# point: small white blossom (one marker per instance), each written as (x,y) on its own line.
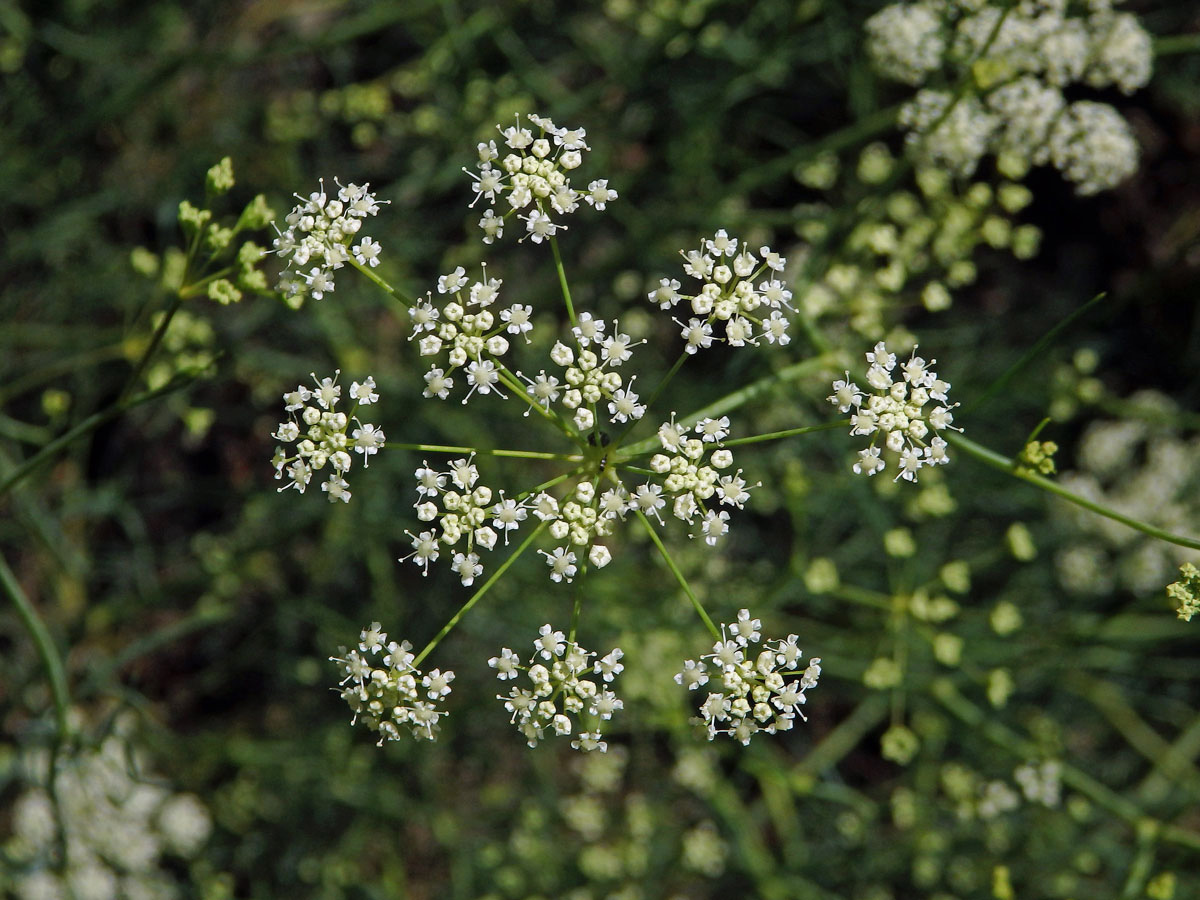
(387,695)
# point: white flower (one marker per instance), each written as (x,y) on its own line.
(368,681)
(467,567)
(599,556)
(896,413)
(711,429)
(750,693)
(539,226)
(599,194)
(519,319)
(561,693)
(561,563)
(506,664)
(697,334)
(588,329)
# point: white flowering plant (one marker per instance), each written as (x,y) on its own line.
(540,452)
(476,341)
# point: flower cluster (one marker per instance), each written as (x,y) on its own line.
(557,671)
(590,384)
(535,176)
(323,439)
(125,832)
(751,695)
(394,694)
(1145,467)
(690,480)
(727,271)
(462,519)
(1018,61)
(466,329)
(896,411)
(321,231)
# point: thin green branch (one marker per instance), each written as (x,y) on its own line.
(487,586)
(514,385)
(371,276)
(516,454)
(46,649)
(155,341)
(730,402)
(1031,354)
(562,280)
(778,435)
(687,588)
(91,423)
(1004,464)
(1172,44)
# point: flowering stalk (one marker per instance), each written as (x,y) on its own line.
(515,454)
(683,583)
(1013,468)
(369,273)
(475,598)
(562,280)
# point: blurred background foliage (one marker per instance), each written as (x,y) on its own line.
(195,607)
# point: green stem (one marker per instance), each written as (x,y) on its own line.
(196,288)
(60,366)
(1172,44)
(667,378)
(577,605)
(1031,354)
(517,454)
(513,383)
(155,340)
(687,589)
(1004,464)
(371,276)
(549,484)
(730,402)
(91,423)
(44,643)
(1143,862)
(487,586)
(777,435)
(562,280)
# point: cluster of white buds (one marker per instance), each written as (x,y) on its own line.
(534,176)
(727,270)
(590,387)
(558,671)
(750,695)
(578,520)
(318,430)
(462,519)
(1018,62)
(467,330)
(320,237)
(474,517)
(393,694)
(896,411)
(691,481)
